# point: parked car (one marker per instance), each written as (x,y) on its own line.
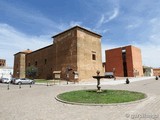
(109,75)
(23,81)
(5,80)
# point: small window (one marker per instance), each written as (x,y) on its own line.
(93,57)
(36,63)
(45,61)
(29,64)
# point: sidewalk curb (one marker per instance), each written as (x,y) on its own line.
(111,104)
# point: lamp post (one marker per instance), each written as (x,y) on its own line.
(98,82)
(114,70)
(134,72)
(8,86)
(67,73)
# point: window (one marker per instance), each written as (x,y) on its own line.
(93,57)
(45,61)
(36,63)
(29,64)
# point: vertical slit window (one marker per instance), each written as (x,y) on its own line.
(45,61)
(36,63)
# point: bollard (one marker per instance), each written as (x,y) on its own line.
(47,83)
(19,86)
(74,81)
(156,77)
(54,82)
(127,81)
(8,86)
(30,85)
(67,81)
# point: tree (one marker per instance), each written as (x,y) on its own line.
(31,72)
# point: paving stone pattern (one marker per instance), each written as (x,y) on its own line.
(38,103)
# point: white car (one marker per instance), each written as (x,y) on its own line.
(23,81)
(5,80)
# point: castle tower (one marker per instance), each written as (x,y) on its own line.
(20,64)
(78,49)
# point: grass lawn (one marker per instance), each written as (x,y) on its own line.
(105,97)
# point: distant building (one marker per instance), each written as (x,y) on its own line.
(124,61)
(156,71)
(147,71)
(74,54)
(5,72)
(2,62)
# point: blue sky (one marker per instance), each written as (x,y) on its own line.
(31,23)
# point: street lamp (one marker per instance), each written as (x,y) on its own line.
(114,70)
(68,69)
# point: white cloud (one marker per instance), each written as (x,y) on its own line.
(113,16)
(29,15)
(150,54)
(132,26)
(107,17)
(13,41)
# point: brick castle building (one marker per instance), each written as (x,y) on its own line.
(124,61)
(77,48)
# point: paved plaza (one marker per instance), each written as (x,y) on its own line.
(38,102)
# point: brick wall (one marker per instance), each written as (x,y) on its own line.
(43,60)
(133,61)
(89,58)
(19,65)
(114,60)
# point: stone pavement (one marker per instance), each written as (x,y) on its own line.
(38,103)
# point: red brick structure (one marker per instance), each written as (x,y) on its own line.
(2,62)
(77,48)
(124,61)
(156,71)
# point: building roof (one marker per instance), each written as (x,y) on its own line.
(5,67)
(41,49)
(147,67)
(123,47)
(3,59)
(27,51)
(24,52)
(156,68)
(78,27)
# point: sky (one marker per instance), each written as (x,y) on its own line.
(30,24)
